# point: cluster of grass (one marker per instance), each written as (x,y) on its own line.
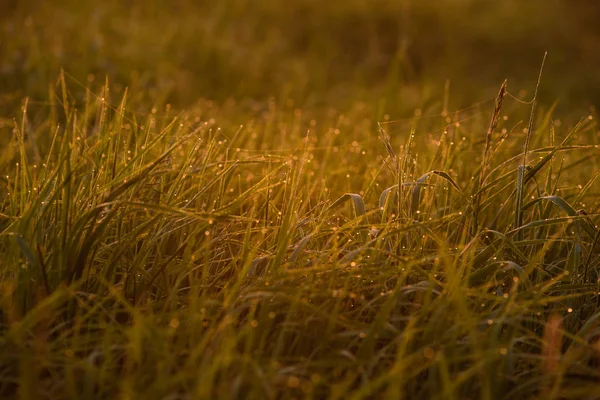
(299,245)
(176,255)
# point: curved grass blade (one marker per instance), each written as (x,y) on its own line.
(567,208)
(416,194)
(301,243)
(357,201)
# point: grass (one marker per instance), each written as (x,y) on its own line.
(270,241)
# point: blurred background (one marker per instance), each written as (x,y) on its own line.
(312,51)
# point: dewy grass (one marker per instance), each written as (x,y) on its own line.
(171,256)
(270,200)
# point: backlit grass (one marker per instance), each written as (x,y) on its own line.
(291,246)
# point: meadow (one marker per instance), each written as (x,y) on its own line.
(303,199)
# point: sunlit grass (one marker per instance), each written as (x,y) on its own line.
(302,216)
(171,255)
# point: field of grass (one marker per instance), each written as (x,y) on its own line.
(303,199)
